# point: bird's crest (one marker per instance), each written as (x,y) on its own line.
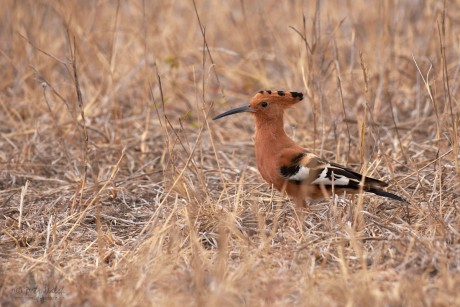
(280,94)
(283,99)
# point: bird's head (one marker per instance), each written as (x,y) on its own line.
(267,105)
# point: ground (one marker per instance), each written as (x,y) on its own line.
(117,188)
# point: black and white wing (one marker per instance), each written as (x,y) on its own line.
(306,168)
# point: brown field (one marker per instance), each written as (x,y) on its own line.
(116,188)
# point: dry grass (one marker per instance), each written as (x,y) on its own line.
(115,188)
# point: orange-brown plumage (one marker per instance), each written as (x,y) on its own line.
(289,167)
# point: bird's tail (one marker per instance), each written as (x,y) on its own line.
(386,194)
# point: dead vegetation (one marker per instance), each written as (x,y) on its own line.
(115,188)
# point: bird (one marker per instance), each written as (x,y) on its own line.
(292,169)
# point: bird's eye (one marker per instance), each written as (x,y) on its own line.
(264,104)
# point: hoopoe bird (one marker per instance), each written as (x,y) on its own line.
(290,168)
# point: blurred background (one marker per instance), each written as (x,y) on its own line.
(109,163)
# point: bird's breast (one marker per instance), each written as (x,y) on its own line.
(266,164)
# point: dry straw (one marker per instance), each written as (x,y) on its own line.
(116,189)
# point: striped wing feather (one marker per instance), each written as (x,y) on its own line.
(306,168)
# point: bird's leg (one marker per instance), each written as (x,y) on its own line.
(300,206)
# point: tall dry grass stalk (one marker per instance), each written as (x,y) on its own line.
(115,188)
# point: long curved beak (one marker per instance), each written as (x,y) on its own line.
(234,111)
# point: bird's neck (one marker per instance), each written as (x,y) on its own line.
(270,142)
(270,136)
